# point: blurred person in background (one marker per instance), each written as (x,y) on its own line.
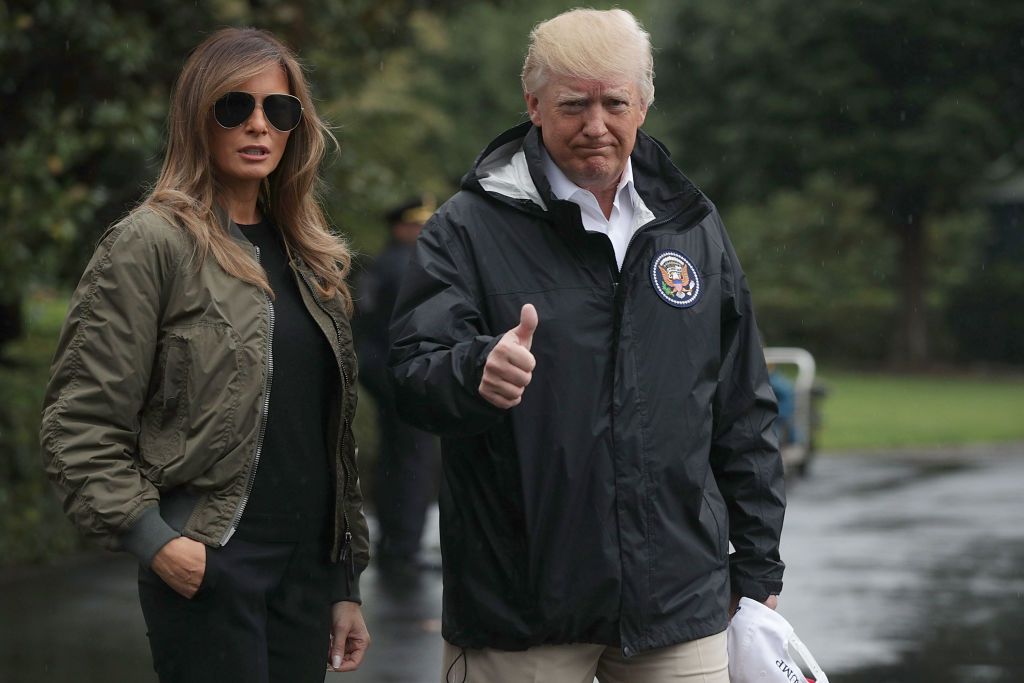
(785,394)
(576,325)
(201,400)
(405,474)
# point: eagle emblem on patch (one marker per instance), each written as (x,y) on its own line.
(675,279)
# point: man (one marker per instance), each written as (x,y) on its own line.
(575,324)
(405,480)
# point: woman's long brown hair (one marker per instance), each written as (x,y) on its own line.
(186,191)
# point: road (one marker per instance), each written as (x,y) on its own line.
(901,569)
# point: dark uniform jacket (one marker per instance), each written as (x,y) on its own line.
(377,290)
(602,507)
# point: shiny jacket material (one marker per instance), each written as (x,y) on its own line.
(152,417)
(601,508)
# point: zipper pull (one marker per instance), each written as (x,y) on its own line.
(348,557)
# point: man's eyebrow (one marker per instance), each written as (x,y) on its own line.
(570,96)
(616,93)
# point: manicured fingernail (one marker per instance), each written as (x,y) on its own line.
(336,661)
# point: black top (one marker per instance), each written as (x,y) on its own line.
(291,495)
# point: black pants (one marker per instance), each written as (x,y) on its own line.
(261,615)
(405,483)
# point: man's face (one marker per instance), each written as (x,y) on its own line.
(588,126)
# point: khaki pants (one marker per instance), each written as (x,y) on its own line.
(699,661)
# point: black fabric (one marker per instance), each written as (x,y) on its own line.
(262,615)
(292,491)
(375,300)
(408,459)
(601,508)
(404,486)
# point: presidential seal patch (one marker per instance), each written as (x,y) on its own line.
(675,279)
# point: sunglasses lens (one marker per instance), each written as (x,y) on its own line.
(283,111)
(234,108)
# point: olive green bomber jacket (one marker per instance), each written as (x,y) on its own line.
(153,415)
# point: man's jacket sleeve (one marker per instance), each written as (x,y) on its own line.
(439,339)
(745,453)
(97,388)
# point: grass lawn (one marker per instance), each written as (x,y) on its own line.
(875,411)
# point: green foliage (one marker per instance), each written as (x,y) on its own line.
(482,68)
(820,268)
(906,101)
(912,101)
(80,126)
(429,106)
(389,135)
(84,93)
(983,310)
(824,273)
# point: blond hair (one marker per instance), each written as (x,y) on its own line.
(590,44)
(186,190)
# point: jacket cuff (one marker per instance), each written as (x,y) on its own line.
(475,371)
(755,589)
(343,589)
(148,535)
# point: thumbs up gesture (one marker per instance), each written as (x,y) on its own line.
(509,366)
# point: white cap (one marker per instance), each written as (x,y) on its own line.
(759,648)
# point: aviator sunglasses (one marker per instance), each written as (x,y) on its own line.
(282,111)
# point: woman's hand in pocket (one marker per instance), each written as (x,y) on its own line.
(181,564)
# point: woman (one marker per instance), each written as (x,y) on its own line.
(201,401)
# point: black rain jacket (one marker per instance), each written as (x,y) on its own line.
(601,508)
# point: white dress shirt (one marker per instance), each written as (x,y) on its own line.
(628,210)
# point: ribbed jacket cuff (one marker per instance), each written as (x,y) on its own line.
(149,533)
(343,589)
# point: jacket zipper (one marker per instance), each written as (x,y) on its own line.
(268,378)
(346,549)
(659,221)
(618,301)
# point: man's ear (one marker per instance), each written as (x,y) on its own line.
(533,108)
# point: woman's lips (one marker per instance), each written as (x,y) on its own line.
(255,152)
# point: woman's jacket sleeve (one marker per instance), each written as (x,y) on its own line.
(440,339)
(98,386)
(745,453)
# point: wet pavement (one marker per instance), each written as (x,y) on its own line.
(905,569)
(910,570)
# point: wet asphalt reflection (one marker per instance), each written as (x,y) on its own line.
(910,570)
(905,569)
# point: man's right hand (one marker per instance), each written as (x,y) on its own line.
(509,366)
(181,564)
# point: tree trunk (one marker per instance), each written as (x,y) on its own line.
(911,349)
